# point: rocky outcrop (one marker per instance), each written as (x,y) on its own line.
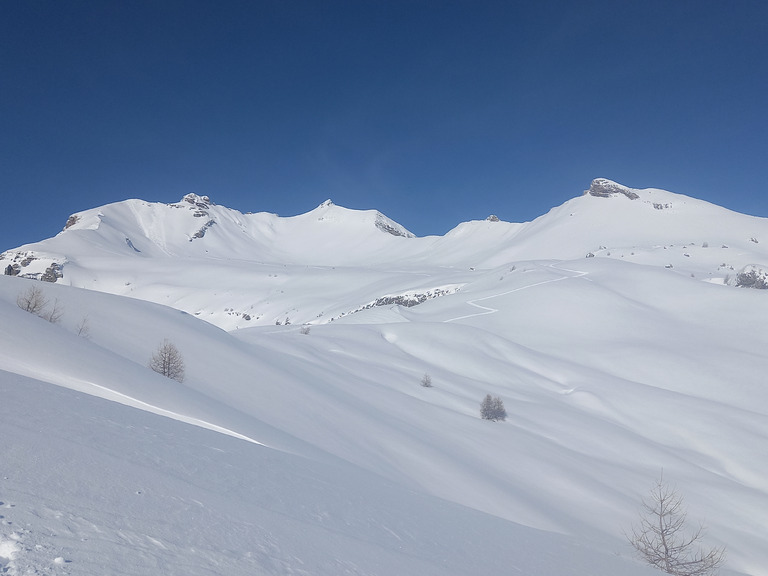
(406,300)
(71,221)
(752,276)
(52,273)
(604,188)
(130,245)
(200,233)
(199,206)
(386,225)
(29,264)
(202,202)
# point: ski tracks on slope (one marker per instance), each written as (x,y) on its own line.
(489,310)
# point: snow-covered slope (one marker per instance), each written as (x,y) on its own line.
(94,488)
(611,367)
(239,270)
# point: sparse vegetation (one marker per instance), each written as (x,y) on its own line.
(34,301)
(83,328)
(167,361)
(492,408)
(53,314)
(660,539)
(426,381)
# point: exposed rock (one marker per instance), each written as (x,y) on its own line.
(71,221)
(386,225)
(29,264)
(130,245)
(200,233)
(202,202)
(605,188)
(52,273)
(752,276)
(492,218)
(407,300)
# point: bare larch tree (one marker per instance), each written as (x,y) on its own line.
(660,539)
(167,361)
(32,301)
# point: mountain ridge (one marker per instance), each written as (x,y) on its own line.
(646,226)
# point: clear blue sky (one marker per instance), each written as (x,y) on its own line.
(431,112)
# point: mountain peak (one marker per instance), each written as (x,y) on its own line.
(604,188)
(199,201)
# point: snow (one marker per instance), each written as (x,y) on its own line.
(294,452)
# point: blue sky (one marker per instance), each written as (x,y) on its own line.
(431,112)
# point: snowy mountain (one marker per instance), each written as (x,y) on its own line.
(302,441)
(239,270)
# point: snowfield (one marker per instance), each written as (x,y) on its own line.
(302,441)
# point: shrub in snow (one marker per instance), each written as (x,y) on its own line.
(426,381)
(660,539)
(167,361)
(54,314)
(492,408)
(32,301)
(35,302)
(83,328)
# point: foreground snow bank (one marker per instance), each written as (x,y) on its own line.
(92,487)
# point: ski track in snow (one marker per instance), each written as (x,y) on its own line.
(487,310)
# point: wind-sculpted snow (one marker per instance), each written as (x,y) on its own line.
(611,368)
(94,488)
